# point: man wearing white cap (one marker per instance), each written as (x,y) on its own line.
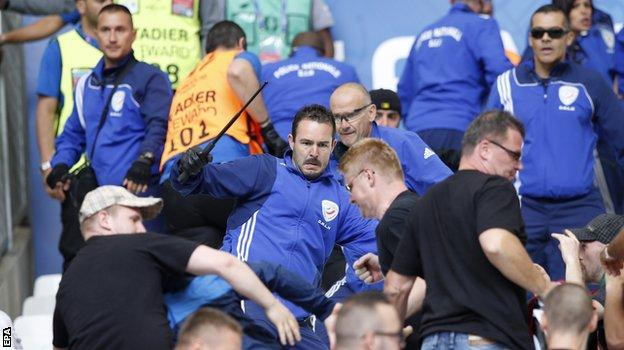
(111,296)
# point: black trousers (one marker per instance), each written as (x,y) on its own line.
(71,239)
(200,218)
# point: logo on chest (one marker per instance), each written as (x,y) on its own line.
(568,95)
(117,103)
(330,212)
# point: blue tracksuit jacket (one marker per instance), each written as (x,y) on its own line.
(421,166)
(281,217)
(559,115)
(450,69)
(136,121)
(303,79)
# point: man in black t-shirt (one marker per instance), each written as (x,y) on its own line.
(464,238)
(111,296)
(374,177)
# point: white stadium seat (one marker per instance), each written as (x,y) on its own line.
(35,331)
(39,305)
(47,285)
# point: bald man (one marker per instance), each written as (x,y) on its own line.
(355,119)
(305,78)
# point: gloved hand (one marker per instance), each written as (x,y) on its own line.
(138,176)
(273,141)
(192,163)
(58,174)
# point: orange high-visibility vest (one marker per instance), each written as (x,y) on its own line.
(203,104)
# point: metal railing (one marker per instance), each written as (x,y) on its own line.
(13,136)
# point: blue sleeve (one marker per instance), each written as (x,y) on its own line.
(608,115)
(494,100)
(253,60)
(421,166)
(619,61)
(356,234)
(155,111)
(241,178)
(49,79)
(293,288)
(71,142)
(72,17)
(490,51)
(406,87)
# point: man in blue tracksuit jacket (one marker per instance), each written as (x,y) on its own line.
(355,114)
(126,151)
(214,291)
(305,78)
(289,211)
(448,74)
(560,104)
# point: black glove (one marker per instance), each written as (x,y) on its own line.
(192,163)
(273,141)
(140,171)
(58,174)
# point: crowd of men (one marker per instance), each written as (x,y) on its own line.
(290,207)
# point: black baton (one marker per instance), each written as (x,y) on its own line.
(184,176)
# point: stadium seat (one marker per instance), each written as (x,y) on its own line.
(35,331)
(46,285)
(39,305)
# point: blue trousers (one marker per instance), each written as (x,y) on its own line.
(458,341)
(544,216)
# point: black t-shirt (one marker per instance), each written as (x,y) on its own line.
(111,296)
(465,292)
(391,227)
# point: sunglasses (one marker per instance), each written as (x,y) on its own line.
(553,33)
(513,154)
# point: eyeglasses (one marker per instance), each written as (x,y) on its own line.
(398,335)
(513,154)
(553,33)
(349,186)
(352,116)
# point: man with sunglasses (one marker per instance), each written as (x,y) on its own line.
(565,108)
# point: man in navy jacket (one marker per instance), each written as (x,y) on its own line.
(448,74)
(559,102)
(289,211)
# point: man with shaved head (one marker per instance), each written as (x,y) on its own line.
(355,116)
(305,78)
(568,317)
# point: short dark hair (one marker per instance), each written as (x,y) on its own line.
(226,34)
(112,8)
(315,113)
(566,5)
(494,124)
(568,308)
(549,8)
(207,324)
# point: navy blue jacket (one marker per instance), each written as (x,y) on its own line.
(136,121)
(559,115)
(303,79)
(281,217)
(450,69)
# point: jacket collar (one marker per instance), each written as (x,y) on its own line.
(108,74)
(527,72)
(326,175)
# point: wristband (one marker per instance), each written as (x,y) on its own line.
(45,166)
